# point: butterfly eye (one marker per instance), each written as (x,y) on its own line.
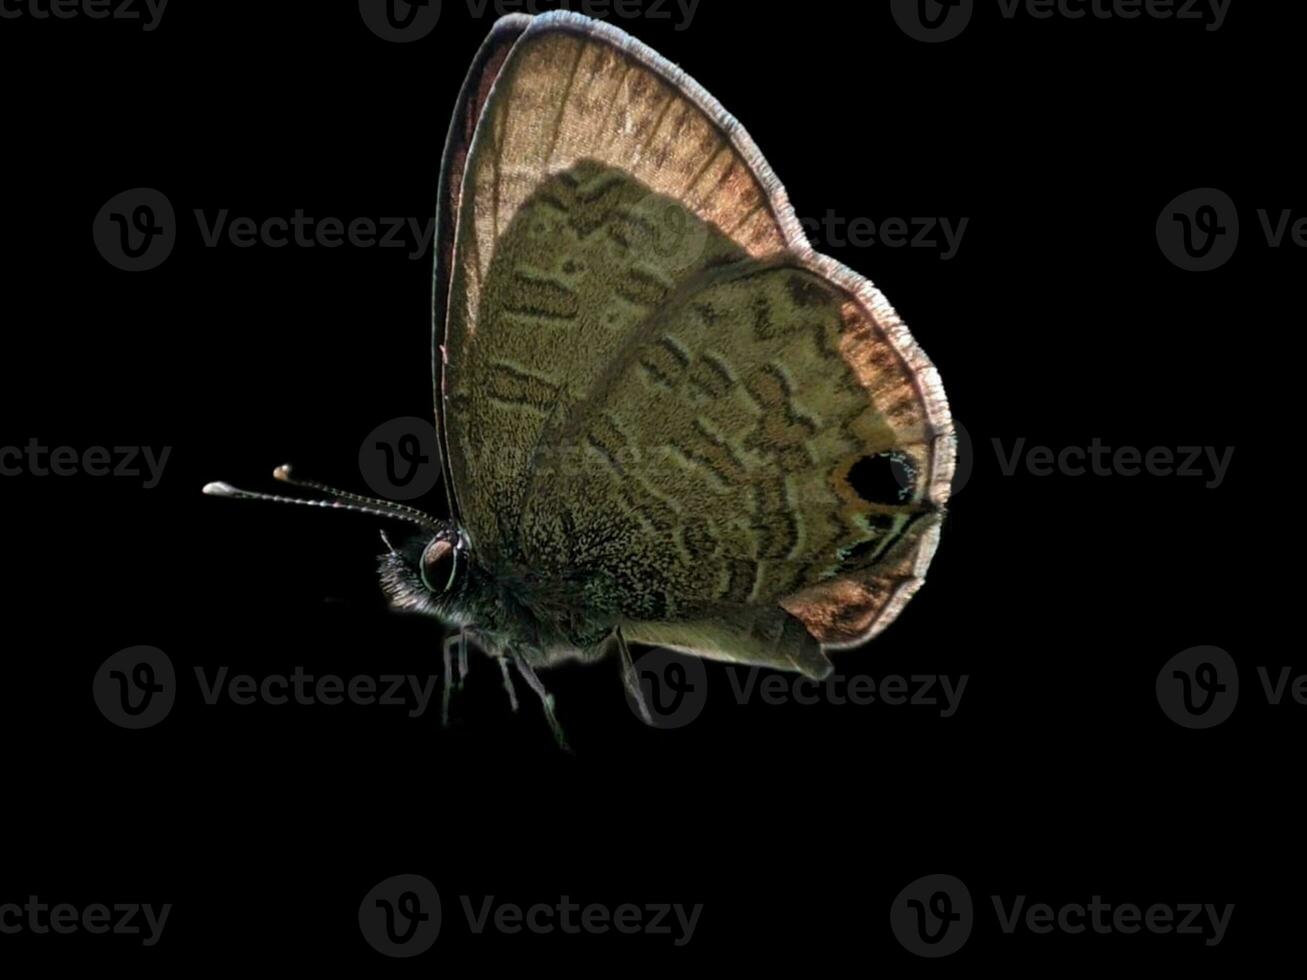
(439,562)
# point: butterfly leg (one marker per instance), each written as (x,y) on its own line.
(630,678)
(445,686)
(508,682)
(462,659)
(452,682)
(546,699)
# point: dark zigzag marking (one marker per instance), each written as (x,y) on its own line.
(621,235)
(610,441)
(739,582)
(676,348)
(517,403)
(510,384)
(655,364)
(777,530)
(698,539)
(805,292)
(542,298)
(659,515)
(548,198)
(709,377)
(716,455)
(773,399)
(641,288)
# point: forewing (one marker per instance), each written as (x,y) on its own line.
(563,247)
(472,98)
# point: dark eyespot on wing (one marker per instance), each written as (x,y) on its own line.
(885,478)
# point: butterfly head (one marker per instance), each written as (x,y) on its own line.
(426,573)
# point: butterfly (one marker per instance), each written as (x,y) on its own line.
(663,417)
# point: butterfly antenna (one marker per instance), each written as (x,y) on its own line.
(344,500)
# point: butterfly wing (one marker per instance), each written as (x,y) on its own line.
(649,374)
(530,322)
(487,64)
(761,444)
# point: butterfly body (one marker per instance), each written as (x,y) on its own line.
(547,619)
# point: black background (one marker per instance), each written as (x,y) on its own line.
(1059,320)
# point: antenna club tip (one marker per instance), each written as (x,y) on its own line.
(219,489)
(282,472)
